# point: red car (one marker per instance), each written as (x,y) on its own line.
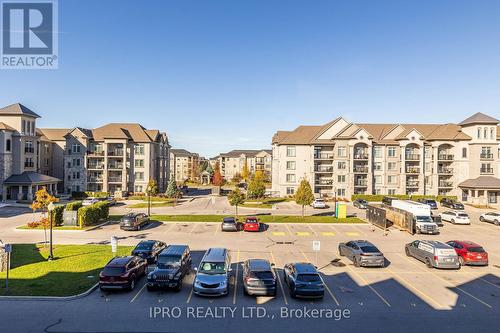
(470,253)
(122,272)
(251,224)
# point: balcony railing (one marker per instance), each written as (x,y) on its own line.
(96,166)
(361,183)
(486,156)
(29,164)
(445,184)
(94,179)
(95,153)
(323,156)
(412,157)
(360,169)
(445,157)
(323,169)
(115,152)
(360,156)
(113,179)
(445,170)
(486,171)
(29,150)
(412,183)
(115,166)
(324,182)
(412,170)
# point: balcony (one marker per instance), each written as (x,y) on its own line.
(360,169)
(29,150)
(114,179)
(446,171)
(361,183)
(486,171)
(323,156)
(360,155)
(323,168)
(412,170)
(117,166)
(445,184)
(94,179)
(29,164)
(486,156)
(95,153)
(412,183)
(445,157)
(412,157)
(324,182)
(115,152)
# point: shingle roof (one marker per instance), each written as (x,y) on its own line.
(301,135)
(238,153)
(54,134)
(5,127)
(482,182)
(30,177)
(181,152)
(479,118)
(17,109)
(132,131)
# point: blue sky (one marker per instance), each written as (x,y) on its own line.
(222,75)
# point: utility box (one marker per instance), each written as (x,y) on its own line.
(4,259)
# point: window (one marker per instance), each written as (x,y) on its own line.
(8,145)
(428,166)
(479,132)
(464,152)
(341,192)
(46,162)
(428,152)
(428,180)
(76,162)
(485,132)
(290,190)
(378,179)
(391,191)
(391,179)
(377,166)
(138,188)
(139,163)
(76,148)
(378,191)
(290,165)
(28,127)
(377,151)
(341,165)
(391,166)
(492,133)
(139,149)
(290,178)
(341,178)
(139,176)
(342,152)
(23,127)
(391,151)
(290,151)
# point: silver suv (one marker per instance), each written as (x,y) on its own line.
(433,253)
(212,276)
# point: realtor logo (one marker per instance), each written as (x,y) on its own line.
(29,34)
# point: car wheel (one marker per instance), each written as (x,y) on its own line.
(340,252)
(407,251)
(496,222)
(481,219)
(132,283)
(245,291)
(292,293)
(428,263)
(461,261)
(179,286)
(150,288)
(452,221)
(355,262)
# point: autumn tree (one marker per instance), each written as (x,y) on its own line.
(236,198)
(257,186)
(245,173)
(217,178)
(41,202)
(304,195)
(152,188)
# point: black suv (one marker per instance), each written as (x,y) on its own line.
(445,202)
(149,250)
(172,265)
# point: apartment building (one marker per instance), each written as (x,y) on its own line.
(342,158)
(184,165)
(23,164)
(232,163)
(115,158)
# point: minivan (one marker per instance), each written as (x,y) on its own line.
(433,253)
(212,275)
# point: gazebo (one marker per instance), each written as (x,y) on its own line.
(205,177)
(23,186)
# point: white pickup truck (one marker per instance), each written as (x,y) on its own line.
(424,224)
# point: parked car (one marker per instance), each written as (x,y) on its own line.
(229,224)
(388,200)
(362,253)
(89,201)
(251,224)
(446,202)
(455,217)
(303,280)
(122,273)
(437,219)
(259,277)
(212,276)
(491,217)
(431,202)
(111,201)
(469,253)
(149,250)
(173,264)
(318,203)
(360,203)
(433,253)
(133,221)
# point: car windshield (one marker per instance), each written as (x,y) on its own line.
(369,249)
(424,219)
(362,201)
(229,221)
(213,267)
(320,200)
(463,215)
(252,221)
(167,262)
(263,275)
(113,271)
(144,246)
(478,249)
(308,278)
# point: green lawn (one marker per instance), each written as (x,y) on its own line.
(263,203)
(262,218)
(75,269)
(145,198)
(25,227)
(153,204)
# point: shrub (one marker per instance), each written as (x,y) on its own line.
(97,194)
(78,195)
(379,197)
(57,215)
(73,206)
(89,215)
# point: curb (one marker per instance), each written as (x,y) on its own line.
(99,225)
(50,298)
(290,223)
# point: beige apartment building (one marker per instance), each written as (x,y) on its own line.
(342,158)
(115,158)
(184,165)
(232,163)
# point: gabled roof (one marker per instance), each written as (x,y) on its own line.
(54,134)
(18,109)
(181,152)
(132,131)
(5,127)
(247,153)
(30,178)
(479,118)
(482,182)
(301,135)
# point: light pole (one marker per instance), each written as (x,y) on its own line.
(50,208)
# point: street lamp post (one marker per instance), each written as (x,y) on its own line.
(50,208)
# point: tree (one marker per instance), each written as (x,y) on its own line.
(257,186)
(209,169)
(304,195)
(236,178)
(217,178)
(152,188)
(172,190)
(236,198)
(245,173)
(42,201)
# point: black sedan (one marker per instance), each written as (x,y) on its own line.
(445,202)
(258,277)
(360,203)
(303,280)
(149,250)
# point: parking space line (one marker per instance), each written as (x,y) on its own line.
(216,229)
(190,295)
(447,282)
(359,229)
(324,283)
(289,231)
(302,233)
(194,227)
(279,279)
(236,277)
(312,230)
(138,293)
(278,233)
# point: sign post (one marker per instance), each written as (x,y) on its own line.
(316,248)
(114,244)
(8,250)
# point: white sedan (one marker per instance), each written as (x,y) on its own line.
(319,203)
(455,217)
(491,217)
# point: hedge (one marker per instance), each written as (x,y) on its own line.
(379,197)
(73,206)
(83,195)
(89,215)
(57,215)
